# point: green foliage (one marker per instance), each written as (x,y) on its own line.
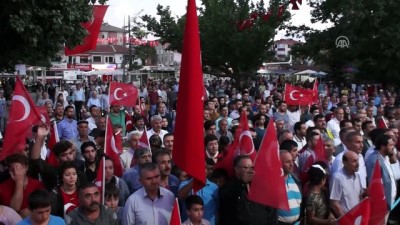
(224,47)
(34,31)
(373,32)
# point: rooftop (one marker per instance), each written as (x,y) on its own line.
(105,27)
(111,49)
(286,41)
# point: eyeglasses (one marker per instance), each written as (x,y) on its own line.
(247,167)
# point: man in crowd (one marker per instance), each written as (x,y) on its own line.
(133,142)
(90,210)
(233,198)
(151,204)
(83,136)
(334,124)
(156,127)
(68,127)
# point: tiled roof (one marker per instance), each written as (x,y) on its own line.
(287,41)
(111,49)
(105,27)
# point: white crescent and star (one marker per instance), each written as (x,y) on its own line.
(247,133)
(116,94)
(292,93)
(25,103)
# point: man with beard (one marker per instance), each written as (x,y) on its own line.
(236,208)
(89,152)
(163,160)
(90,211)
(384,149)
(151,204)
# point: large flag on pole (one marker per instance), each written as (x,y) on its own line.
(268,184)
(188,152)
(23,114)
(93,27)
(122,94)
(111,149)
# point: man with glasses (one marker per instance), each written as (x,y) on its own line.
(233,198)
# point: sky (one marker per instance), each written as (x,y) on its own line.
(120,9)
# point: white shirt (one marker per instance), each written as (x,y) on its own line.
(91,123)
(393,182)
(334,127)
(294,117)
(161,134)
(79,95)
(310,123)
(300,142)
(93,101)
(126,158)
(141,210)
(362,169)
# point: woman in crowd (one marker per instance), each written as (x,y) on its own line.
(317,207)
(110,178)
(67,192)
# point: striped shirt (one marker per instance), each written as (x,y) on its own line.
(294,197)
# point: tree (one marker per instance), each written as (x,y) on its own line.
(34,31)
(373,33)
(226,48)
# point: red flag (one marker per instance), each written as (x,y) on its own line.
(242,144)
(268,170)
(44,115)
(188,152)
(359,214)
(100,178)
(111,150)
(54,138)
(128,122)
(122,94)
(175,215)
(93,28)
(318,155)
(297,95)
(144,140)
(244,139)
(377,197)
(23,114)
(382,123)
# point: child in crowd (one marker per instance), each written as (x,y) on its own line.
(111,200)
(195,211)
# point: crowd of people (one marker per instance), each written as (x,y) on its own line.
(36,190)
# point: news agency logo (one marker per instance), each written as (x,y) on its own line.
(342,42)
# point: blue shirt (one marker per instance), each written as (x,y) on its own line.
(54,220)
(294,197)
(131,177)
(209,194)
(67,129)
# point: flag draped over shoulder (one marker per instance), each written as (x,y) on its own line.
(189,152)
(376,195)
(268,184)
(93,28)
(23,114)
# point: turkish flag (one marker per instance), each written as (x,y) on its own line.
(376,194)
(128,122)
(318,155)
(23,113)
(54,138)
(268,184)
(359,214)
(189,153)
(93,28)
(144,140)
(242,144)
(44,115)
(297,95)
(122,94)
(382,123)
(111,149)
(175,215)
(100,177)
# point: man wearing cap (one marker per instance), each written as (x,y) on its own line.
(83,136)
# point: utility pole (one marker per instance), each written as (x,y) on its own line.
(130,48)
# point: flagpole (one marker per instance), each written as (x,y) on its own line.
(284,92)
(103,181)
